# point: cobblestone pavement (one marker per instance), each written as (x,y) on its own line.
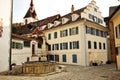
(103,72)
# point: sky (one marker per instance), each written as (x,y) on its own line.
(46,8)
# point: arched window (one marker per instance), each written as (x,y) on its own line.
(26,21)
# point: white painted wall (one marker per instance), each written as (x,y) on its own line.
(5,14)
(19,56)
(29,20)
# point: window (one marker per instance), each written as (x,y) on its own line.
(88,29)
(95,45)
(56,47)
(64,58)
(100,46)
(49,47)
(117,29)
(95,19)
(99,21)
(13,44)
(57,58)
(26,43)
(95,9)
(39,45)
(97,32)
(89,44)
(73,31)
(63,21)
(52,46)
(60,46)
(70,45)
(65,45)
(26,21)
(73,17)
(51,57)
(102,34)
(92,31)
(74,58)
(17,45)
(55,34)
(75,44)
(104,46)
(49,36)
(90,16)
(63,33)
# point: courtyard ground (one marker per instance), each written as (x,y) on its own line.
(103,72)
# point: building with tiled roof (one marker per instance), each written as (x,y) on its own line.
(25,49)
(78,37)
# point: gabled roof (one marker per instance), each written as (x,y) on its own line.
(58,18)
(112,10)
(49,19)
(29,28)
(31,11)
(46,21)
(69,16)
(15,36)
(30,14)
(118,8)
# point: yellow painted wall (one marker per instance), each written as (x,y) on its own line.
(83,50)
(116,21)
(65,39)
(118,62)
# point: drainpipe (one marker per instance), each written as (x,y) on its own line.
(10,53)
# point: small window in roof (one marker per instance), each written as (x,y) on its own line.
(73,17)
(95,9)
(63,20)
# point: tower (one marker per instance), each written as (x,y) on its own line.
(31,15)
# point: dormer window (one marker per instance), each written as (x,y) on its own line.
(95,9)
(50,25)
(64,20)
(26,21)
(74,17)
(56,23)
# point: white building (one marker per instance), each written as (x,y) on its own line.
(5,16)
(25,49)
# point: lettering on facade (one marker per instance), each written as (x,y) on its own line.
(1,27)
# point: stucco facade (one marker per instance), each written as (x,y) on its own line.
(22,51)
(115,20)
(5,16)
(69,37)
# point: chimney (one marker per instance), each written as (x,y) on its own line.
(72,9)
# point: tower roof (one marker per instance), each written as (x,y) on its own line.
(31,11)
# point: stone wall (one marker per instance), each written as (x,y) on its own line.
(38,68)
